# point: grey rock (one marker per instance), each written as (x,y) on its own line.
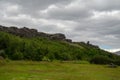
(57,36)
(30,33)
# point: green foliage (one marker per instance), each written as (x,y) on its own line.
(101,60)
(17,56)
(39,48)
(117,61)
(2,53)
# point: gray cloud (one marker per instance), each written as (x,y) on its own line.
(104,5)
(67,12)
(97,21)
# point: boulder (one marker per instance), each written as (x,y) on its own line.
(68,40)
(58,36)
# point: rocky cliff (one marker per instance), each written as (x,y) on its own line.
(30,33)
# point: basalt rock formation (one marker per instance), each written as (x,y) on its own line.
(30,33)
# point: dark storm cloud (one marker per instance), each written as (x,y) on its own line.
(97,21)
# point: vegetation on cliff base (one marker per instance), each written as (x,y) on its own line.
(39,48)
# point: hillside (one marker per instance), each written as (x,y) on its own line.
(28,44)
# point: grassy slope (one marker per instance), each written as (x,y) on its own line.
(26,70)
(14,45)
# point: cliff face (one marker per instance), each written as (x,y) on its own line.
(29,33)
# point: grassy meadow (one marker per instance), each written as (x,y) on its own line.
(29,70)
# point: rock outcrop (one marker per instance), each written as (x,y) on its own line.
(88,44)
(30,33)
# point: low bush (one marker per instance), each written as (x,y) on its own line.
(117,62)
(101,60)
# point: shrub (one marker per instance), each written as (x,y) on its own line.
(100,60)
(2,53)
(17,56)
(117,62)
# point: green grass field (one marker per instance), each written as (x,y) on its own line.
(28,70)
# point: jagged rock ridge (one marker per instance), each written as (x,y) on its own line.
(29,33)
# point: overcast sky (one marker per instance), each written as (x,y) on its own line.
(97,21)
